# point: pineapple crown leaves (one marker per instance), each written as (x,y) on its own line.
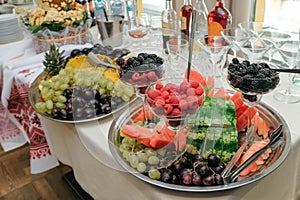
(54,61)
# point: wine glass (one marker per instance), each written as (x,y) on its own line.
(142,70)
(173,99)
(289,50)
(139,28)
(236,37)
(261,30)
(217,49)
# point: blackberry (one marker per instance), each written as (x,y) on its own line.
(120,61)
(235,61)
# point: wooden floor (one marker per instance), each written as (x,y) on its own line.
(16,182)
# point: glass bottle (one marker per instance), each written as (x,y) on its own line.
(117,7)
(218,19)
(201,18)
(170,23)
(100,6)
(185,17)
(131,8)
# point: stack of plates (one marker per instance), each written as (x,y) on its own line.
(10,29)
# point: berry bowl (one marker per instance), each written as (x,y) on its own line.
(252,79)
(173,99)
(142,69)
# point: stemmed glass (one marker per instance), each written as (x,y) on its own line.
(217,49)
(141,74)
(253,80)
(261,30)
(236,37)
(139,28)
(289,50)
(173,99)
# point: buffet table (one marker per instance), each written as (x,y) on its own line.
(84,147)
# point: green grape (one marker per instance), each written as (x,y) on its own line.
(142,156)
(49,104)
(63,86)
(133,160)
(103,82)
(128,141)
(61,99)
(110,85)
(118,86)
(41,107)
(45,83)
(102,91)
(125,98)
(45,90)
(124,147)
(55,78)
(126,154)
(128,90)
(62,72)
(150,152)
(56,85)
(60,105)
(153,160)
(58,93)
(69,70)
(141,167)
(154,174)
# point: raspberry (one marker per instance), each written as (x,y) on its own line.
(168,109)
(194,84)
(190,92)
(199,91)
(173,100)
(159,86)
(165,94)
(153,94)
(152,76)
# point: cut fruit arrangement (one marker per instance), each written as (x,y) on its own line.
(151,151)
(73,89)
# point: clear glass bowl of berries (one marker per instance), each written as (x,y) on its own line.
(141,70)
(172,99)
(252,79)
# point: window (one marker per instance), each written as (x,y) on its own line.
(283,15)
(154,7)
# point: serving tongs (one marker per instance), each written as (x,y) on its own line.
(94,60)
(230,176)
(296,71)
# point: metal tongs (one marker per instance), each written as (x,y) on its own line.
(94,60)
(230,176)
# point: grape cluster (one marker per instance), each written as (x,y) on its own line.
(81,94)
(188,169)
(257,78)
(100,49)
(142,62)
(195,170)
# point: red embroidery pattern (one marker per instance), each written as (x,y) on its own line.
(8,129)
(20,107)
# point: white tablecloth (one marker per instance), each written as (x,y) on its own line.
(85,147)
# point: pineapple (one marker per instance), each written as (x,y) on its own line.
(54,61)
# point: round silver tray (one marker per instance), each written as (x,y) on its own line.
(34,96)
(271,117)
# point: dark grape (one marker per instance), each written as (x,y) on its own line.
(209,180)
(196,179)
(199,158)
(213,160)
(187,178)
(204,171)
(218,179)
(166,176)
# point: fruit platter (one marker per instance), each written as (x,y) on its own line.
(192,158)
(71,89)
